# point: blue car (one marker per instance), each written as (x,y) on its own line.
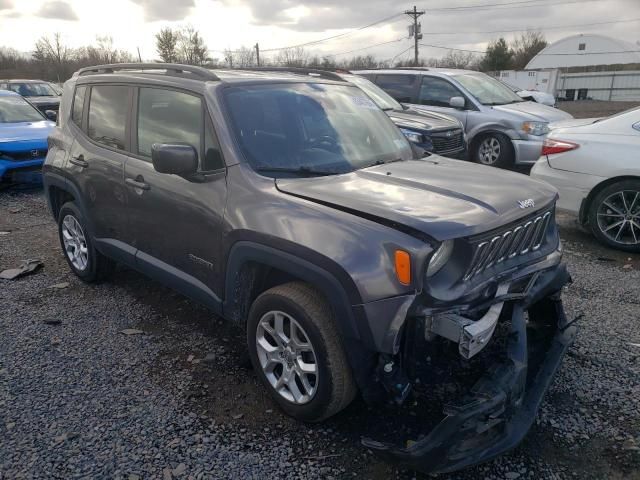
(23,139)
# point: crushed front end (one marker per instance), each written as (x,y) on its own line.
(503,338)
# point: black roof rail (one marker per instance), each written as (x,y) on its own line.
(426,69)
(201,72)
(311,72)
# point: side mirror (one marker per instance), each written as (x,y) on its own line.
(178,159)
(457,102)
(51,115)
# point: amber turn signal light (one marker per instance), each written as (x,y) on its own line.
(403,267)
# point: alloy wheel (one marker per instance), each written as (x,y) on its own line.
(75,243)
(489,151)
(287,357)
(619,217)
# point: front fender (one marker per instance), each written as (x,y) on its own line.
(492,127)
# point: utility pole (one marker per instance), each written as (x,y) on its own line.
(417,35)
(139,56)
(257,47)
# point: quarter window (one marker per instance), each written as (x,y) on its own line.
(437,92)
(78,105)
(108,115)
(166,116)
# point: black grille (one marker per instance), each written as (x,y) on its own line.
(447,140)
(24,155)
(521,238)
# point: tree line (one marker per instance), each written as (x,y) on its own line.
(53,60)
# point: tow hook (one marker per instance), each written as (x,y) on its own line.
(393,379)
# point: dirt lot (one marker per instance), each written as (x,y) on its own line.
(595,108)
(80,399)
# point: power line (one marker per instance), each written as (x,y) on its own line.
(541,53)
(364,48)
(336,36)
(401,53)
(509,5)
(453,48)
(537,29)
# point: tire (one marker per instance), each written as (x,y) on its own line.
(616,203)
(332,387)
(90,265)
(495,150)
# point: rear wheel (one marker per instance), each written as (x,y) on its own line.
(614,215)
(296,351)
(495,150)
(85,261)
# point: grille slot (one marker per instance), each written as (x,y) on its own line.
(446,141)
(521,239)
(23,155)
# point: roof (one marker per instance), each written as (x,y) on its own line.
(597,50)
(417,71)
(21,80)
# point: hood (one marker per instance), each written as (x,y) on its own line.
(576,122)
(540,97)
(44,100)
(534,111)
(17,132)
(439,197)
(422,120)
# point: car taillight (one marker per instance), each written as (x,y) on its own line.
(551,146)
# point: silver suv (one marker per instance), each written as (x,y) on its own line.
(502,128)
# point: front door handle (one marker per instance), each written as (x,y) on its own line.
(137,183)
(79,161)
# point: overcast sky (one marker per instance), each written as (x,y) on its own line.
(278,23)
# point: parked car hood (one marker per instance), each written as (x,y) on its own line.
(539,97)
(534,111)
(422,120)
(439,197)
(44,100)
(576,122)
(16,132)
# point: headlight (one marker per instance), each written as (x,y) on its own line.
(440,258)
(535,128)
(412,136)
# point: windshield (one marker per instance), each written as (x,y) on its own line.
(381,98)
(487,90)
(33,89)
(312,129)
(17,109)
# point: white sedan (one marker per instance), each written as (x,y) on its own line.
(595,165)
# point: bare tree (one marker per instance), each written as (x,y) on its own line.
(53,56)
(525,47)
(454,59)
(292,57)
(166,45)
(190,46)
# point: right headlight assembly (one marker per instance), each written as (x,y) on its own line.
(440,258)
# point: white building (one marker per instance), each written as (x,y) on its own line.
(585,50)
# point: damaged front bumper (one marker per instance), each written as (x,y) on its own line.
(501,407)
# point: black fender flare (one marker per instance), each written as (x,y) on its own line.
(342,294)
(51,179)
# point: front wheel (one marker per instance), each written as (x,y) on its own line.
(297,353)
(494,150)
(614,215)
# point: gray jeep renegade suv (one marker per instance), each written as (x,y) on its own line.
(293,207)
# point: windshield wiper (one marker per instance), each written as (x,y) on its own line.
(303,170)
(381,162)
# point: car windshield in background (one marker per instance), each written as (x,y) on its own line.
(312,129)
(379,96)
(15,109)
(33,89)
(487,90)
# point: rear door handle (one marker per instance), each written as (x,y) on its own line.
(79,161)
(137,183)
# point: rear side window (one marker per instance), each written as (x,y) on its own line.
(108,115)
(166,116)
(437,92)
(78,105)
(399,87)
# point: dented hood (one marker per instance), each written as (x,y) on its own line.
(439,197)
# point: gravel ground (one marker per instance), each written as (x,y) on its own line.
(595,108)
(81,399)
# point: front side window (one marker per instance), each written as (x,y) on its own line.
(311,129)
(33,89)
(108,115)
(437,92)
(15,109)
(78,105)
(167,116)
(399,87)
(487,90)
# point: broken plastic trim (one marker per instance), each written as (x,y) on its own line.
(501,406)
